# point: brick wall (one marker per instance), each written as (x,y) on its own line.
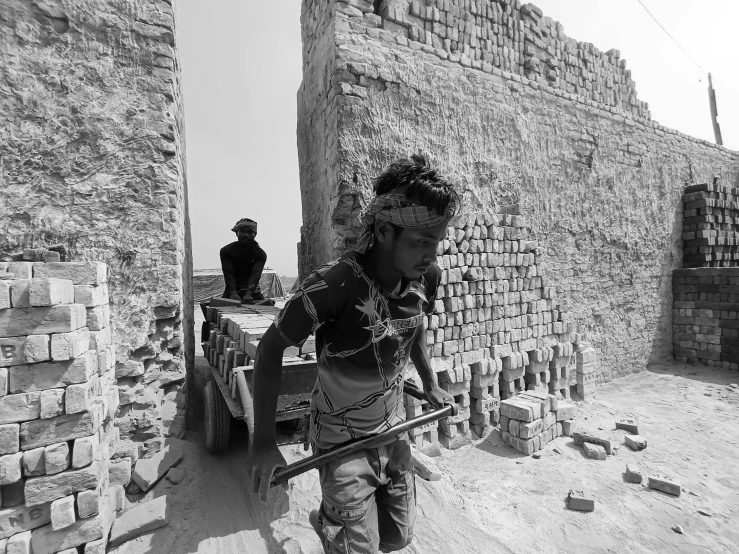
(599,183)
(93,159)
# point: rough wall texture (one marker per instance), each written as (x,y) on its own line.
(599,183)
(92,157)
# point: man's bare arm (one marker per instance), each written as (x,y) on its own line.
(264,456)
(419,356)
(228,274)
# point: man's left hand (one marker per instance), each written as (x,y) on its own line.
(439,398)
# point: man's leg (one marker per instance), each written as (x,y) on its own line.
(396,500)
(348,514)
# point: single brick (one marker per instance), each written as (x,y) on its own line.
(119,471)
(10,468)
(52,375)
(99,340)
(80,273)
(57,458)
(98,317)
(91,295)
(594,451)
(566,411)
(635,442)
(34,463)
(88,503)
(665,484)
(22,518)
(633,474)
(50,292)
(18,322)
(140,519)
(78,398)
(19,543)
(68,346)
(84,451)
(630,425)
(567,428)
(52,403)
(4,294)
(578,500)
(20,407)
(19,297)
(62,512)
(9,438)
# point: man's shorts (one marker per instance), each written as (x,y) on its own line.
(369,500)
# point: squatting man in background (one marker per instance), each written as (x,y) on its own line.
(367,309)
(242,263)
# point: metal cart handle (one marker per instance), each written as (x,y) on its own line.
(283,474)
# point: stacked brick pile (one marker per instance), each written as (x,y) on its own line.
(57,402)
(710,226)
(496,329)
(706,316)
(501,35)
(531,420)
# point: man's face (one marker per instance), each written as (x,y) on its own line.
(414,250)
(245,234)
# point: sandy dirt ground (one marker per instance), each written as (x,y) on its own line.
(492,499)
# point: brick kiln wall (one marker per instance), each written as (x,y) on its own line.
(599,183)
(93,158)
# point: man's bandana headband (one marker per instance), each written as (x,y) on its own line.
(248,223)
(399,210)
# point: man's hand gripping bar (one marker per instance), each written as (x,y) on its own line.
(283,474)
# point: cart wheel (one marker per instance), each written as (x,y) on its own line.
(217,419)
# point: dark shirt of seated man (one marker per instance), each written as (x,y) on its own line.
(242,263)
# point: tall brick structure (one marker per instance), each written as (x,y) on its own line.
(515,112)
(93,158)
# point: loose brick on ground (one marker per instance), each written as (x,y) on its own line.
(140,519)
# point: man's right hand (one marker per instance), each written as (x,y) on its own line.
(235,296)
(261,463)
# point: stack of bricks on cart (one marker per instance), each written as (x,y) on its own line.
(710,226)
(57,404)
(234,337)
(502,35)
(531,420)
(496,331)
(706,316)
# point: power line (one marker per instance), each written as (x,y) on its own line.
(671,37)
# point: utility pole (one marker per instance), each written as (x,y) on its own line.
(714,112)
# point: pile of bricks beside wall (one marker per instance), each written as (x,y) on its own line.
(531,420)
(497,330)
(710,226)
(501,35)
(706,316)
(57,404)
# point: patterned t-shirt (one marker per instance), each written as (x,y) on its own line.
(363,341)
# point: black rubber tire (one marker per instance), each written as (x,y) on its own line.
(217,419)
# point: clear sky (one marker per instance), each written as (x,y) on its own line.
(242,65)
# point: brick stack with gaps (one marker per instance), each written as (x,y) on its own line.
(500,339)
(706,291)
(57,404)
(234,335)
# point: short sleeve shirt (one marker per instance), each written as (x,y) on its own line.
(363,341)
